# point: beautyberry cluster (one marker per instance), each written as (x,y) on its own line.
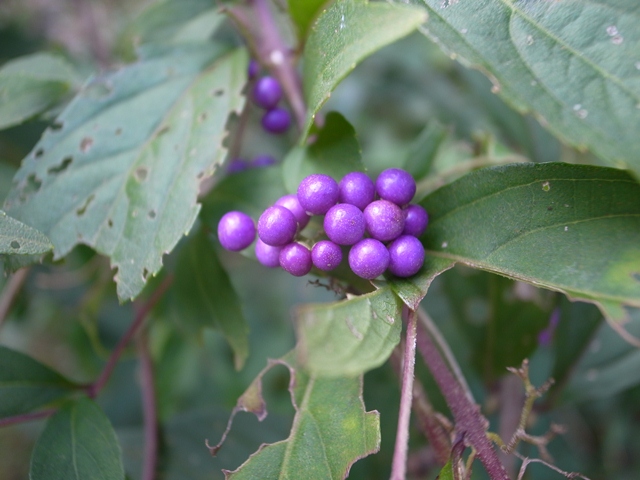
(266,94)
(375,220)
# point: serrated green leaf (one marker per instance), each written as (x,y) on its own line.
(16,238)
(573,63)
(344,34)
(335,152)
(26,384)
(331,429)
(78,443)
(569,228)
(303,12)
(121,173)
(32,84)
(203,296)
(348,337)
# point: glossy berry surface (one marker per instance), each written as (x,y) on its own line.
(267,92)
(357,189)
(368,258)
(291,203)
(277,120)
(384,220)
(406,256)
(416,220)
(236,231)
(277,226)
(267,255)
(317,193)
(344,224)
(396,185)
(326,255)
(254,69)
(295,258)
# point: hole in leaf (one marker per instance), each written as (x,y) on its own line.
(636,276)
(141,174)
(15,244)
(163,130)
(202,117)
(81,211)
(145,274)
(217,93)
(152,214)
(66,161)
(55,126)
(98,89)
(200,175)
(38,153)
(118,131)
(85,144)
(30,187)
(110,223)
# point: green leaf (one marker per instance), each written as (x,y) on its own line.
(446,473)
(78,443)
(26,384)
(331,429)
(32,84)
(348,337)
(344,34)
(16,238)
(303,12)
(573,63)
(335,152)
(202,296)
(569,228)
(122,170)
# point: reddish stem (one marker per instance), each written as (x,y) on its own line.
(149,410)
(26,417)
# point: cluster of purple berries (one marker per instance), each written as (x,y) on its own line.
(266,94)
(382,232)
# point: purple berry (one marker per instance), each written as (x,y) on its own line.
(384,220)
(295,258)
(326,255)
(406,256)
(344,224)
(396,185)
(237,165)
(357,189)
(253,69)
(291,203)
(416,220)
(263,161)
(276,120)
(236,231)
(317,193)
(369,258)
(267,92)
(277,226)
(267,255)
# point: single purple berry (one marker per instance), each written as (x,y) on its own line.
(236,231)
(317,193)
(416,220)
(267,255)
(267,92)
(276,120)
(261,161)
(237,165)
(295,258)
(277,226)
(326,255)
(357,189)
(344,224)
(369,258)
(384,220)
(291,203)
(254,69)
(396,185)
(406,256)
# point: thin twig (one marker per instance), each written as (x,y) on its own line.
(149,410)
(399,465)
(27,417)
(9,292)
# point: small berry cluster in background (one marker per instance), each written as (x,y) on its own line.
(266,94)
(375,219)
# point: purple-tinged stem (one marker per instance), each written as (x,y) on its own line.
(11,289)
(468,419)
(26,417)
(149,411)
(399,465)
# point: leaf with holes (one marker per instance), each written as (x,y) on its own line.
(121,168)
(26,384)
(78,443)
(331,429)
(343,35)
(348,337)
(574,63)
(32,84)
(569,228)
(16,238)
